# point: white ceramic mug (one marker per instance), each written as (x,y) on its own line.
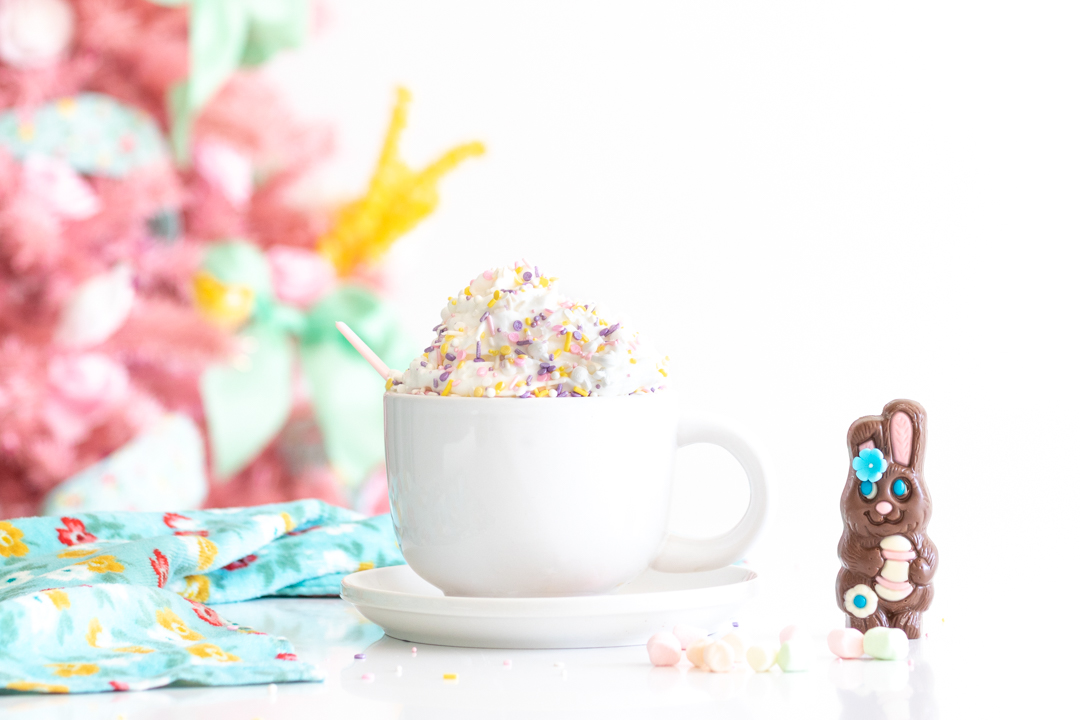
(537,498)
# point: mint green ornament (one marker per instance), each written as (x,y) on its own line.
(225,36)
(248,401)
(345,390)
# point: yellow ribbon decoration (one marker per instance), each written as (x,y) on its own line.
(397,199)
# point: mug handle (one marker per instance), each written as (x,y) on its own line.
(679,554)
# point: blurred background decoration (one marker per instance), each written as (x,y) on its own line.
(166,303)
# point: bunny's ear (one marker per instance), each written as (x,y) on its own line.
(866,432)
(907,423)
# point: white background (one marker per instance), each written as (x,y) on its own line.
(813,208)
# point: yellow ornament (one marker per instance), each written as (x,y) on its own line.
(397,199)
(225,304)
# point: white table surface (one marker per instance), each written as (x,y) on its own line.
(940,681)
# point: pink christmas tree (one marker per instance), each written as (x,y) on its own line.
(146,238)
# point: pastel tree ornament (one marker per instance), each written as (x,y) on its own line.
(300,277)
(94,133)
(35,33)
(59,187)
(82,388)
(226,168)
(97,308)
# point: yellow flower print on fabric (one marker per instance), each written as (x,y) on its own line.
(102,564)
(10,543)
(207,552)
(136,649)
(212,652)
(59,599)
(73,669)
(290,524)
(27,686)
(93,630)
(77,552)
(365,566)
(171,621)
(198,588)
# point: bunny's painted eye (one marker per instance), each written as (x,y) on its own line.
(868,489)
(899,488)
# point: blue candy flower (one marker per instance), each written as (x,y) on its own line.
(870,465)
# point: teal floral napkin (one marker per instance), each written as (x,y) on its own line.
(119,601)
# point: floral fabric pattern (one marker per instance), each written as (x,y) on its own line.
(108,602)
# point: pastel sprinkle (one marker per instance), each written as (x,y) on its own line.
(359,656)
(535,319)
(449,676)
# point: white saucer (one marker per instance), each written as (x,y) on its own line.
(410,609)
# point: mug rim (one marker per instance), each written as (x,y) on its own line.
(459,398)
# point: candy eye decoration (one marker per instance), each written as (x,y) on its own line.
(868,489)
(900,488)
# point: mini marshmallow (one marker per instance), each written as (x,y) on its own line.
(695,650)
(846,643)
(884,643)
(664,649)
(789,632)
(793,656)
(761,658)
(718,656)
(736,643)
(687,634)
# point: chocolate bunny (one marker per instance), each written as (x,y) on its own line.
(888,561)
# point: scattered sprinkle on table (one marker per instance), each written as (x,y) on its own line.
(272,690)
(450,676)
(359,656)
(508,663)
(559,665)
(399,671)
(367,677)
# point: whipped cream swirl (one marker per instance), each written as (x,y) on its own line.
(512,333)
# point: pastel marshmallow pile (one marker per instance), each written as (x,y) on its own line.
(790,654)
(722,655)
(512,333)
(880,643)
